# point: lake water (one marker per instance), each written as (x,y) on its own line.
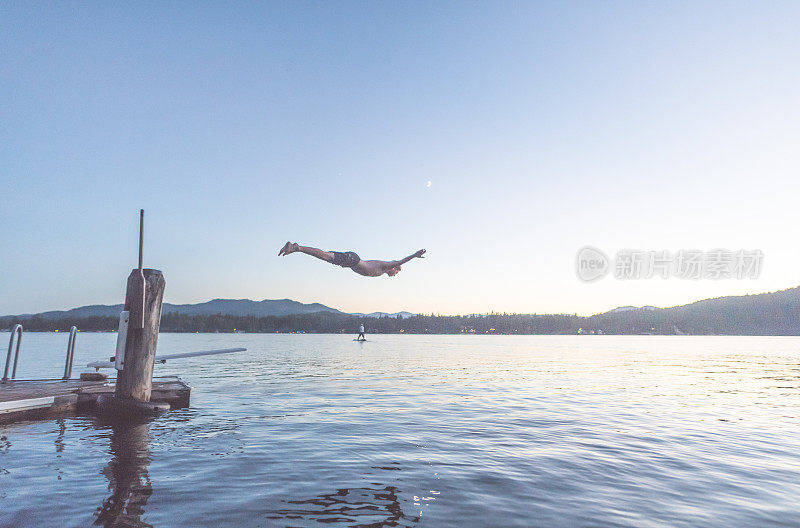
(436,431)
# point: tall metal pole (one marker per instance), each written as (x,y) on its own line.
(138,285)
(141,236)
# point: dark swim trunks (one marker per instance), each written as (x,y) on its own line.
(347,259)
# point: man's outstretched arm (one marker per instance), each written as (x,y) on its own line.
(418,254)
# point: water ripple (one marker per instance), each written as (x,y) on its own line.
(437,431)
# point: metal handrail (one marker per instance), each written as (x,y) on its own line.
(73,333)
(15,331)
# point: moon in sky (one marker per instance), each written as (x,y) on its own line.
(428,184)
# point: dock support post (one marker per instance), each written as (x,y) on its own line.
(135,380)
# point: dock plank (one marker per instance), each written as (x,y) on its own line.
(33,399)
(12,390)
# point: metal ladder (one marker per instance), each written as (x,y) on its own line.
(16,332)
(73,333)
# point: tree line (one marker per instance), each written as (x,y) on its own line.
(767,314)
(323,322)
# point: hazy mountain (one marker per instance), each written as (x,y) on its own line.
(84,311)
(774,313)
(240,307)
(248,307)
(632,308)
(384,314)
(237,307)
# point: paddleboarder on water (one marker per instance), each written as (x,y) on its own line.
(361,336)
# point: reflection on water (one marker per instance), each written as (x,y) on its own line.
(366,507)
(128,478)
(59,441)
(5,444)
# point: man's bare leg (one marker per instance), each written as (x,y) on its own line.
(293,247)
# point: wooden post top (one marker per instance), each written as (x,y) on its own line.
(149,271)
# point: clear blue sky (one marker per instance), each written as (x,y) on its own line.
(542,127)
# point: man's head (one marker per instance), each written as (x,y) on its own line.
(393,271)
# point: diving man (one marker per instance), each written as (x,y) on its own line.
(349,259)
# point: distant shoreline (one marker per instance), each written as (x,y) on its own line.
(5,331)
(766,314)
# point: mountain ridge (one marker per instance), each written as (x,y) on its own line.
(769,313)
(236,307)
(261,308)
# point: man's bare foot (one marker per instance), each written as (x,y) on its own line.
(288,248)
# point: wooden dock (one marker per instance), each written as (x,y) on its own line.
(134,393)
(36,399)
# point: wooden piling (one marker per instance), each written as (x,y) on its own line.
(135,380)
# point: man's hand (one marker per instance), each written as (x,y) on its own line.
(419,253)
